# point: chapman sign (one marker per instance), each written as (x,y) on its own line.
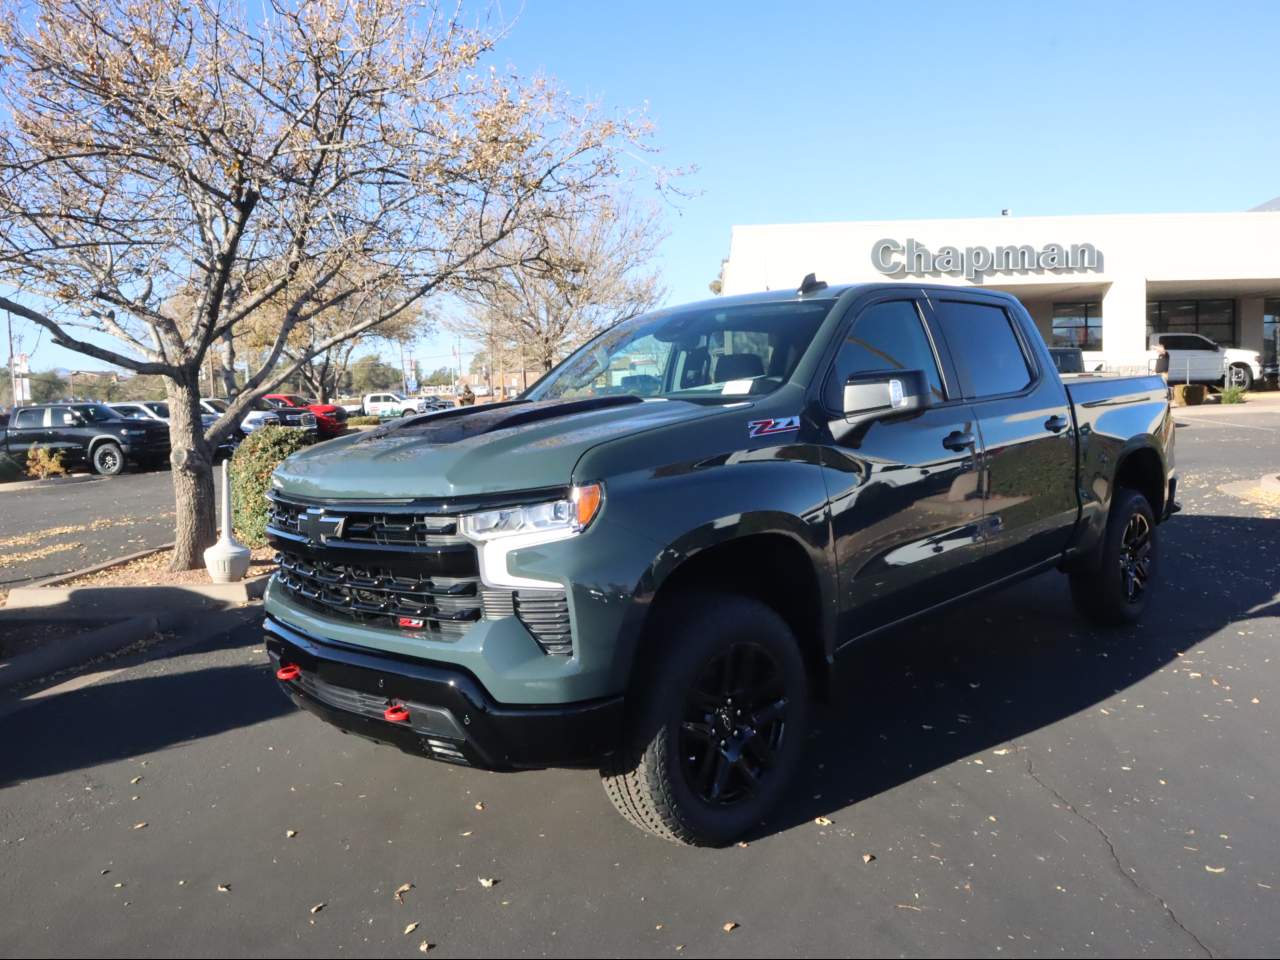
(914,258)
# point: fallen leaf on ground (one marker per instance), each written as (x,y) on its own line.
(868,857)
(822,821)
(291,833)
(423,947)
(1003,751)
(401,891)
(318,907)
(136,780)
(479,804)
(729,927)
(224,888)
(1215,869)
(410,928)
(486,882)
(140,824)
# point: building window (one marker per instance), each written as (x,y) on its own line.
(1077,325)
(1270,332)
(1215,319)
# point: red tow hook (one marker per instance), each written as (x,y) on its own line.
(289,671)
(396,713)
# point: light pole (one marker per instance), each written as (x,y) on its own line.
(13,376)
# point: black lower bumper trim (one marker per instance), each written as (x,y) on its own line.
(450,716)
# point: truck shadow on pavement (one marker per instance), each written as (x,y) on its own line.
(927,694)
(115,719)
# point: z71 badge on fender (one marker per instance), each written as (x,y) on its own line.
(764,428)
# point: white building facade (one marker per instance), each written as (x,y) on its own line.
(1101,283)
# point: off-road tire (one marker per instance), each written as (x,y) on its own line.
(107,459)
(1100,589)
(646,779)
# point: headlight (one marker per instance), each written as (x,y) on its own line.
(568,516)
(497,533)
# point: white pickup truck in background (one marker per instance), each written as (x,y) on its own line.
(1194,358)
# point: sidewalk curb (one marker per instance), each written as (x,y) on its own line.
(186,596)
(45,484)
(55,657)
(19,691)
(85,571)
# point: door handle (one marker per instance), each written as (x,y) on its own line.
(958,440)
(1057,423)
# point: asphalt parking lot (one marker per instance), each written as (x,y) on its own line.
(999,781)
(53,530)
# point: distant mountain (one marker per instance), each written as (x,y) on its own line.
(1271,205)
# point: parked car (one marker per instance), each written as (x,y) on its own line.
(387,405)
(331,419)
(87,435)
(659,585)
(260,413)
(158,411)
(1197,359)
(434,402)
(353,405)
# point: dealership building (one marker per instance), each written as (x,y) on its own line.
(1102,283)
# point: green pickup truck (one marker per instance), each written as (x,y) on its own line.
(651,563)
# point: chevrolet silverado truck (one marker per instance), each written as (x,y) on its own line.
(656,559)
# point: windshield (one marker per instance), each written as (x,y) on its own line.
(705,352)
(219,405)
(159,409)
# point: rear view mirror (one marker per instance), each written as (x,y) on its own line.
(869,396)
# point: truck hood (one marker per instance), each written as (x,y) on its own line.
(474,451)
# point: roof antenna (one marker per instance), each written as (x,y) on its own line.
(810,283)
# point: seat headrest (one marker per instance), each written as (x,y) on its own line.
(738,366)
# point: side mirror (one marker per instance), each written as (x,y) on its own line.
(870,396)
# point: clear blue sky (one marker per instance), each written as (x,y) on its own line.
(842,111)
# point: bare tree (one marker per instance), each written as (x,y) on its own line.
(156,147)
(596,271)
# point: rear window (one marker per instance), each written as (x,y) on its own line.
(988,354)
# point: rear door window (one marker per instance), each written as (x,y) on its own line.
(988,354)
(29,418)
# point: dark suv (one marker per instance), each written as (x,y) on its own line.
(86,434)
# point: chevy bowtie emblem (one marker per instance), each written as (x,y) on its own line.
(318,527)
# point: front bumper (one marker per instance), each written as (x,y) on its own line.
(447,715)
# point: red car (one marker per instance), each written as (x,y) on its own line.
(331,420)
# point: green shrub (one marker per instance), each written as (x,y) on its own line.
(10,469)
(260,453)
(363,421)
(1189,394)
(1233,395)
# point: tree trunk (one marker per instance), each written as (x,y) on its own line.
(229,365)
(195,525)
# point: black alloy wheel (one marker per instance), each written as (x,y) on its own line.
(1135,557)
(735,719)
